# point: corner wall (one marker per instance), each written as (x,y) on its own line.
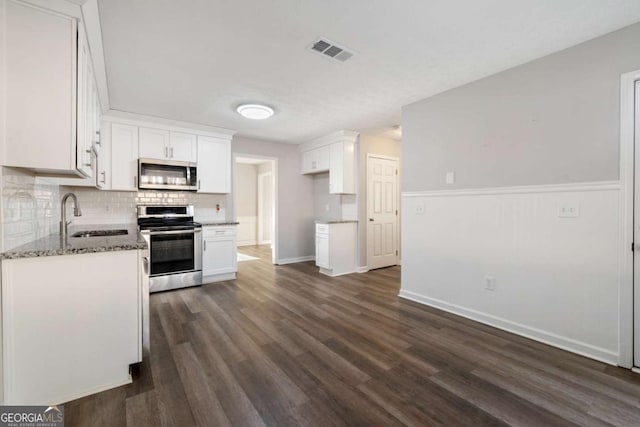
(526,145)
(295,222)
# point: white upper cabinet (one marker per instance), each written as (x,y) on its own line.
(315,160)
(214,165)
(154,143)
(40,87)
(182,147)
(167,145)
(335,153)
(123,140)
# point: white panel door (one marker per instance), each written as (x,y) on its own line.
(154,143)
(124,157)
(382,212)
(182,147)
(636,233)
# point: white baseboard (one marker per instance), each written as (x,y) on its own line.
(295,260)
(554,340)
(93,390)
(362,269)
(247,243)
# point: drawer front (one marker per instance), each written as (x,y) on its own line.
(217,231)
(322,228)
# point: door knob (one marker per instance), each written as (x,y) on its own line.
(371,219)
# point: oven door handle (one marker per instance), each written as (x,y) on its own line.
(159,233)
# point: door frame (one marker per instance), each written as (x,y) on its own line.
(260,236)
(627,168)
(366,207)
(274,171)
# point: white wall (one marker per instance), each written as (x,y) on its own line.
(553,121)
(295,223)
(325,206)
(556,279)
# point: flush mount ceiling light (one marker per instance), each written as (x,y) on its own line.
(255,111)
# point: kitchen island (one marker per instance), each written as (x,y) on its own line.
(72,316)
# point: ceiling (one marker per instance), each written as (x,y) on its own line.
(196,60)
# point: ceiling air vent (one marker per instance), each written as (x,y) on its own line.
(331,50)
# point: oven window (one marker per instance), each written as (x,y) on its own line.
(172,253)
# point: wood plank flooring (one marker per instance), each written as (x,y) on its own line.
(285,346)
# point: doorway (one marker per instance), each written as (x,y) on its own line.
(629,274)
(382,211)
(636,228)
(254,200)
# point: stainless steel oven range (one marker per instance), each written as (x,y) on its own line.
(175,246)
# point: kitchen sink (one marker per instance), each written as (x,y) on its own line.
(100,233)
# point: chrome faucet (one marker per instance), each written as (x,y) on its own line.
(63,214)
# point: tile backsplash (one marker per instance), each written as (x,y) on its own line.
(31,206)
(30,209)
(119,207)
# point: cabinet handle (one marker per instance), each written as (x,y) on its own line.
(172,152)
(166,151)
(204,243)
(313,164)
(135,182)
(198,184)
(104,176)
(98,138)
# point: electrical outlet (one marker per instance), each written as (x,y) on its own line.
(420,209)
(568,210)
(490,283)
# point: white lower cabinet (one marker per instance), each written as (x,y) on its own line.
(219,253)
(68,332)
(336,248)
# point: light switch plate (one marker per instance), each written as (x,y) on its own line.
(568,210)
(450,177)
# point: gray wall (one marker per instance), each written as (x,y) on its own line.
(246,189)
(553,120)
(323,200)
(295,223)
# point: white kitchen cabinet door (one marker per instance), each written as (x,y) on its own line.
(182,147)
(315,160)
(154,144)
(219,255)
(342,172)
(214,165)
(124,157)
(322,250)
(336,248)
(69,335)
(39,88)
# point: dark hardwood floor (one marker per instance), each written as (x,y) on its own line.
(287,346)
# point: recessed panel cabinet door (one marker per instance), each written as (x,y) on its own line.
(124,157)
(154,144)
(322,250)
(182,147)
(214,165)
(218,255)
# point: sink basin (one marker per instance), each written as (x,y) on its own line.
(100,233)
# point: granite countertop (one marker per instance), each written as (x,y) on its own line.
(212,222)
(51,245)
(335,221)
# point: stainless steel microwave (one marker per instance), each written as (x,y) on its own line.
(154,174)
